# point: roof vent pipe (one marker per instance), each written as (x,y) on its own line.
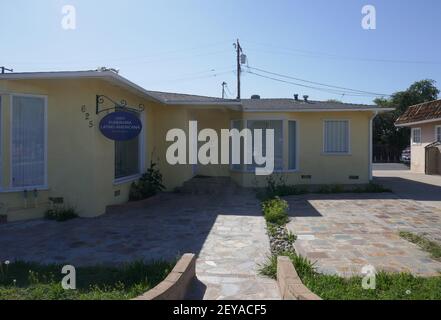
(305,98)
(296,97)
(255,97)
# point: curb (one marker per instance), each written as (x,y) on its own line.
(290,285)
(176,285)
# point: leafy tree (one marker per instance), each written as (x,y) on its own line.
(385,133)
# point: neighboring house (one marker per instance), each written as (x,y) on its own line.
(52,147)
(424,120)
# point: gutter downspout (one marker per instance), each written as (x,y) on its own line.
(371,143)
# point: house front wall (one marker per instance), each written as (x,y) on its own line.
(314,166)
(418,153)
(81,161)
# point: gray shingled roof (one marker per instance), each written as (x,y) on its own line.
(292,104)
(270,104)
(183,97)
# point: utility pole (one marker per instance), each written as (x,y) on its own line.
(5,69)
(239,69)
(223,89)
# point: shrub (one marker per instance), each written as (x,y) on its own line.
(61,214)
(275,211)
(375,188)
(148,185)
(279,188)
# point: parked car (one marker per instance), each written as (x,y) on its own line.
(405,155)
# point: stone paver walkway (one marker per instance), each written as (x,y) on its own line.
(343,233)
(227,232)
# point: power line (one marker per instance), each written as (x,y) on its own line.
(123,59)
(336,92)
(193,78)
(319,83)
(317,54)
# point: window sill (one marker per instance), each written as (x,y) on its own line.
(126,179)
(21,189)
(336,154)
(275,171)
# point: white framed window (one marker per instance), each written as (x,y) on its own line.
(129,157)
(292,145)
(236,124)
(416,135)
(28,142)
(438,133)
(277,126)
(336,137)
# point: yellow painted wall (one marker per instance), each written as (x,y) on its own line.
(324,169)
(81,159)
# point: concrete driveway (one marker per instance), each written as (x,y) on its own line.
(425,189)
(226,231)
(343,233)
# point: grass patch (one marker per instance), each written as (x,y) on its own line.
(425,244)
(61,214)
(389,286)
(275,211)
(32,281)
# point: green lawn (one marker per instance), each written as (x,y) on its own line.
(389,286)
(31,281)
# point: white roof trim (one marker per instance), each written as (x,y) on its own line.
(319,110)
(409,124)
(78,74)
(110,75)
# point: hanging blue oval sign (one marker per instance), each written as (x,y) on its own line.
(120,126)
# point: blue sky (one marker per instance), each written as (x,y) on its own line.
(186,46)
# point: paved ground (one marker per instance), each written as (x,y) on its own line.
(408,185)
(342,233)
(227,231)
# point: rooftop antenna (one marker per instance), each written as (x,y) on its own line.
(6,69)
(224,84)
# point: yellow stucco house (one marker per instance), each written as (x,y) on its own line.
(51,145)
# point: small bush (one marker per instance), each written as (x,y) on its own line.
(275,211)
(279,188)
(148,185)
(375,188)
(61,214)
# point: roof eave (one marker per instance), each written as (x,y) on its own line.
(321,110)
(109,75)
(409,124)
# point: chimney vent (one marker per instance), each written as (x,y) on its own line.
(255,97)
(305,98)
(296,97)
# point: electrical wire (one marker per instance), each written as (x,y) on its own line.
(321,84)
(317,54)
(336,92)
